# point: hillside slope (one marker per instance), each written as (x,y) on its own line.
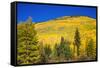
(51,31)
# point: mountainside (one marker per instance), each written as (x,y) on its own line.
(51,31)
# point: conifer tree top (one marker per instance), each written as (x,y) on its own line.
(29,20)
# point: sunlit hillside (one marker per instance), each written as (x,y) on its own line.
(51,31)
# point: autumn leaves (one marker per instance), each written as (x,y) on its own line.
(31,51)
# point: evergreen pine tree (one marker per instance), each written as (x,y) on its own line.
(90,50)
(67,50)
(77,41)
(61,47)
(27,43)
(42,53)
